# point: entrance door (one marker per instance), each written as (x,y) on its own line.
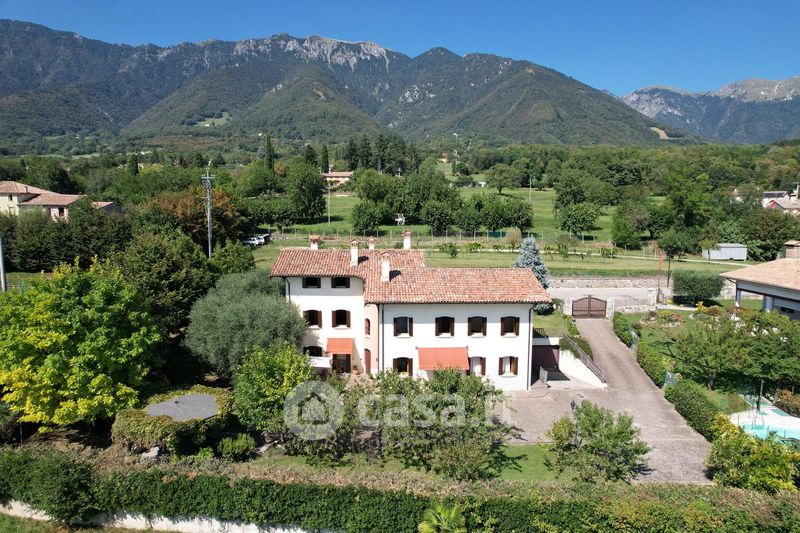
(341,363)
(589,307)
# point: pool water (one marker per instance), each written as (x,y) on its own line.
(762,432)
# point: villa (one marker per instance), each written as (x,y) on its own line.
(374,310)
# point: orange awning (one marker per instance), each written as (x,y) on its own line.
(435,358)
(340,346)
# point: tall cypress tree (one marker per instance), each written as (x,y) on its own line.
(310,155)
(132,168)
(351,155)
(269,153)
(324,159)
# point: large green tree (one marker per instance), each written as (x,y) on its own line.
(578,218)
(228,322)
(76,346)
(306,189)
(171,271)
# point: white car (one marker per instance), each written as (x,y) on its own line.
(253,241)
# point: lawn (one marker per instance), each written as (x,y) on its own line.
(11,524)
(530,464)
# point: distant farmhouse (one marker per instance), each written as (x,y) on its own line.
(337,178)
(783,201)
(17,197)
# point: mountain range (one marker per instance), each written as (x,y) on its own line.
(55,83)
(749,111)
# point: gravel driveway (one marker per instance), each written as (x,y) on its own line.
(678,452)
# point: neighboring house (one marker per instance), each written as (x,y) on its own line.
(338,178)
(777,281)
(786,204)
(374,310)
(13,193)
(727,251)
(16,197)
(768,196)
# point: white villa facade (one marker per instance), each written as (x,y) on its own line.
(375,310)
(17,197)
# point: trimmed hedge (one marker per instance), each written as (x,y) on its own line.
(652,362)
(622,329)
(696,285)
(692,403)
(502,507)
(135,429)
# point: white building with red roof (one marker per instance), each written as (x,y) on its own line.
(374,310)
(16,197)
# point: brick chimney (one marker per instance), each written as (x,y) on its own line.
(314,240)
(385,267)
(407,240)
(792,249)
(354,253)
(371,242)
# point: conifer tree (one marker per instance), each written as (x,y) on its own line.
(530,257)
(351,155)
(310,155)
(269,153)
(324,159)
(132,168)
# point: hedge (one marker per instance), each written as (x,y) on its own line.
(135,429)
(696,285)
(622,328)
(652,362)
(692,403)
(510,507)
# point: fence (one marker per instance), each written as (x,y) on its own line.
(585,359)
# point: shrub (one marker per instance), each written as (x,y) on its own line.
(741,460)
(652,362)
(697,285)
(596,445)
(622,329)
(448,248)
(691,402)
(569,343)
(473,247)
(7,422)
(237,449)
(56,483)
(788,401)
(137,430)
(232,258)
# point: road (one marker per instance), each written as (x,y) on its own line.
(678,452)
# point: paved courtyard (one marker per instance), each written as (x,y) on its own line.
(678,452)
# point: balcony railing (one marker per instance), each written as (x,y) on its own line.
(548,332)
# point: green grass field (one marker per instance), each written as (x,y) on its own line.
(10,524)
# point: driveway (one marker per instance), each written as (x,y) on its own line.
(678,452)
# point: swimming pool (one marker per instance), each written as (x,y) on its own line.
(762,432)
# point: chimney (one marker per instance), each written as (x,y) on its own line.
(792,249)
(354,253)
(407,240)
(314,240)
(371,241)
(385,267)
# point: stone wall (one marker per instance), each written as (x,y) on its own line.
(633,282)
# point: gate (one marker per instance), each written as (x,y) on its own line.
(589,307)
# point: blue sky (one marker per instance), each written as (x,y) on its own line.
(614,45)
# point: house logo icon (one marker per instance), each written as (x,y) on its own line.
(313,410)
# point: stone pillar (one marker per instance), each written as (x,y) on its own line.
(610,308)
(568,306)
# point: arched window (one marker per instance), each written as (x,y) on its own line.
(367,327)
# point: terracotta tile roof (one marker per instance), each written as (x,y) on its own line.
(786,203)
(53,199)
(411,281)
(783,273)
(15,187)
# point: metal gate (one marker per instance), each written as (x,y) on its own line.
(589,307)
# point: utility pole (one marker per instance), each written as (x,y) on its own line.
(328,183)
(3,283)
(207,185)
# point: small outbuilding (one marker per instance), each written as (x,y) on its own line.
(725,251)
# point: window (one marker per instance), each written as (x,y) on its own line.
(61,211)
(508,366)
(404,325)
(476,325)
(445,325)
(367,327)
(313,351)
(341,363)
(340,283)
(340,318)
(313,318)
(312,283)
(509,325)
(10,198)
(477,366)
(404,366)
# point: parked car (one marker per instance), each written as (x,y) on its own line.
(253,241)
(265,238)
